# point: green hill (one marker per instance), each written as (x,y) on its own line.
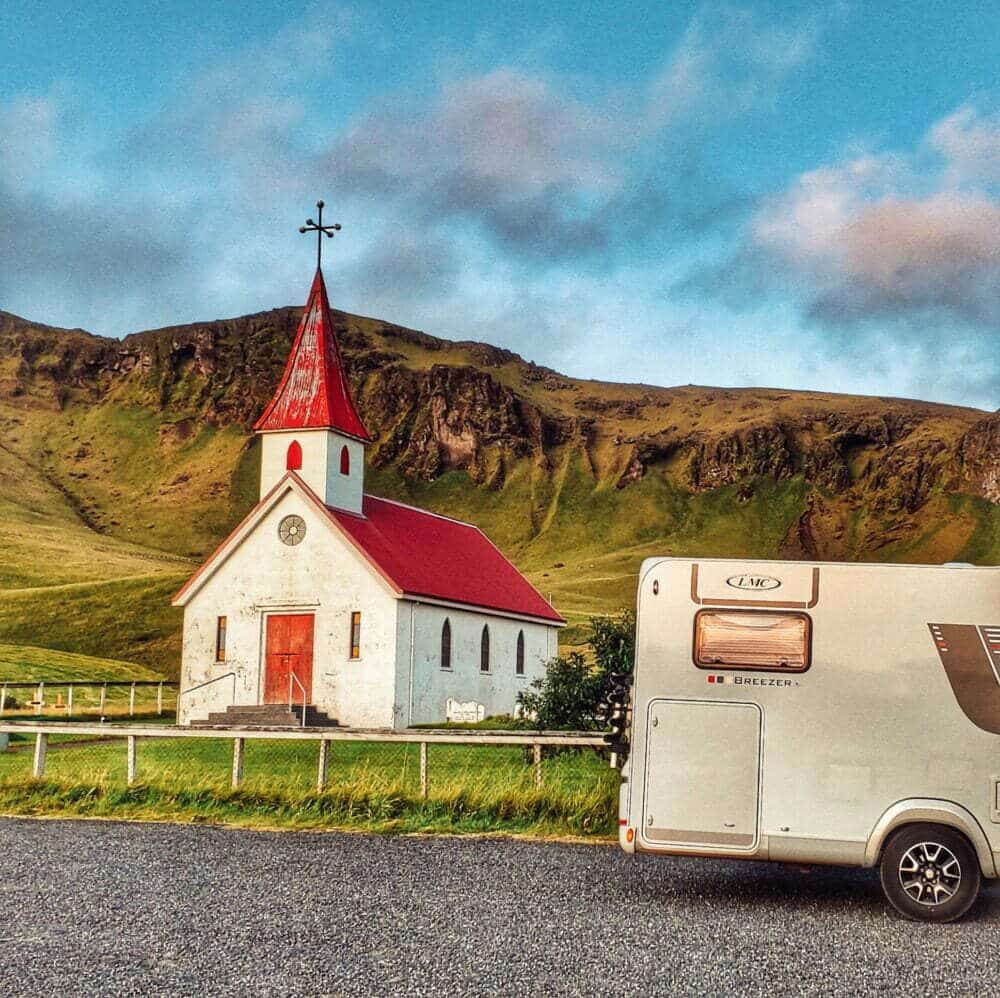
(122,463)
(26,664)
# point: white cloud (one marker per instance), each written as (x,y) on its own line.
(970,143)
(896,253)
(729,62)
(28,128)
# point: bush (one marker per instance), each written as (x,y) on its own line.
(570,694)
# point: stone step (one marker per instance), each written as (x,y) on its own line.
(266,716)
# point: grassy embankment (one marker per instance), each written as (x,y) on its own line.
(371,787)
(27,664)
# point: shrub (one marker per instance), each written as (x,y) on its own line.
(570,694)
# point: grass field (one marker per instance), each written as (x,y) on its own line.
(371,786)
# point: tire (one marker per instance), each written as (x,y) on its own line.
(930,873)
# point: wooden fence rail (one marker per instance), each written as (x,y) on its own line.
(71,685)
(132,734)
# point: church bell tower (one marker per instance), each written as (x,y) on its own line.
(311,425)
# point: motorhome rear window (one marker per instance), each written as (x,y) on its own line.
(752,639)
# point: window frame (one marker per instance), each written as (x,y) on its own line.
(354,637)
(519,654)
(446,633)
(755,612)
(221,633)
(485,641)
(345,461)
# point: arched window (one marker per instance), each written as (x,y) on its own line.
(519,661)
(345,460)
(293,459)
(484,650)
(446,644)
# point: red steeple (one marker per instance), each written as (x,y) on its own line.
(313,392)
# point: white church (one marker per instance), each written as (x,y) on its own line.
(336,606)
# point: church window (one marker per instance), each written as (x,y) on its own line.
(519,661)
(484,650)
(446,644)
(355,635)
(345,460)
(220,639)
(293,459)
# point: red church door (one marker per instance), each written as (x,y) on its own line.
(288,649)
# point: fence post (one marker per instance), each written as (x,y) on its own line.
(237,762)
(131,701)
(538,764)
(131,760)
(324,763)
(3,697)
(41,746)
(69,701)
(40,698)
(423,770)
(159,699)
(104,697)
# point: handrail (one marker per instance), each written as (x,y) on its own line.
(291,676)
(208,682)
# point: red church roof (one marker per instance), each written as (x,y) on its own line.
(423,554)
(313,392)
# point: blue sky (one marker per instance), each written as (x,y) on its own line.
(803,196)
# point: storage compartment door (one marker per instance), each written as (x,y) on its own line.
(702,775)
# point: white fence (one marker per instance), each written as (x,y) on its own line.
(133,735)
(70,686)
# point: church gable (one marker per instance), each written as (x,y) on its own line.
(290,522)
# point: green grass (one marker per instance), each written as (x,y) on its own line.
(27,664)
(130,620)
(983,545)
(371,786)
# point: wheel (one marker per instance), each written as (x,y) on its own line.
(930,873)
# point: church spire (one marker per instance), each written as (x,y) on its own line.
(313,392)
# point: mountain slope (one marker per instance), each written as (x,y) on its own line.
(136,457)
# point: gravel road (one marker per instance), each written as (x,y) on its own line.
(89,908)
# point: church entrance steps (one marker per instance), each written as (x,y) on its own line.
(266,715)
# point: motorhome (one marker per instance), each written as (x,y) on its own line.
(819,713)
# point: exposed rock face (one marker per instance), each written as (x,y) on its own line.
(979,453)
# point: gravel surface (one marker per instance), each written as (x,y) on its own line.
(93,908)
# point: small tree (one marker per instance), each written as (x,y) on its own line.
(566,696)
(570,692)
(613,642)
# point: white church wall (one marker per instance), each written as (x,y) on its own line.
(274,458)
(323,575)
(321,450)
(345,491)
(432,686)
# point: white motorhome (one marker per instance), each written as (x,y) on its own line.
(820,713)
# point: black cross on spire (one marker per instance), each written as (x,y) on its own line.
(320,229)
